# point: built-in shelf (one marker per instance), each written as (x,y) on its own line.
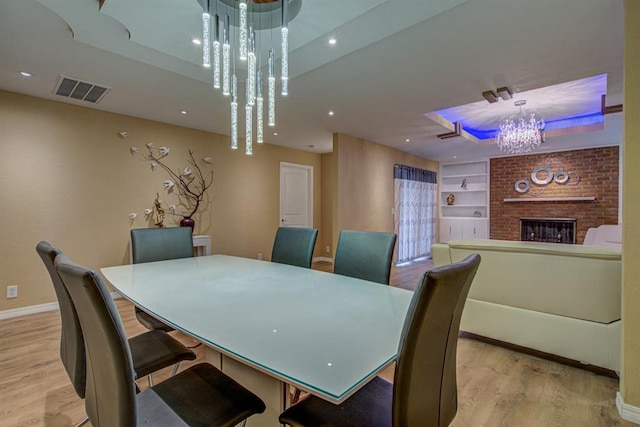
(467,175)
(468,184)
(551,199)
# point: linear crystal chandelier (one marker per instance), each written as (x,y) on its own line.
(520,133)
(237,35)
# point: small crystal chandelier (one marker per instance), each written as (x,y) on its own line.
(521,133)
(243,31)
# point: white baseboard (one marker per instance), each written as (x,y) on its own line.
(32,309)
(322,258)
(627,412)
(40,308)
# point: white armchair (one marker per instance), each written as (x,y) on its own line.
(609,236)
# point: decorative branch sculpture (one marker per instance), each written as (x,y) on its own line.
(188,185)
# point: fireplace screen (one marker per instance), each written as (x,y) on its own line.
(552,230)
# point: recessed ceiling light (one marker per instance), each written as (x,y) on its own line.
(455,157)
(275,133)
(407,140)
(26,73)
(331,112)
(333,41)
(196,41)
(183,111)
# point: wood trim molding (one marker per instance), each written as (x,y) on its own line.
(610,109)
(543,355)
(39,308)
(627,412)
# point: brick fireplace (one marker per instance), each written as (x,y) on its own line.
(550,230)
(593,201)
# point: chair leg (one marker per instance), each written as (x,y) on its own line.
(83,422)
(150,377)
(175,369)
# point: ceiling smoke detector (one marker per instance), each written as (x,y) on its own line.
(70,87)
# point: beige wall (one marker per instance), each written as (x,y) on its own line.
(364,174)
(328,193)
(630,375)
(67,177)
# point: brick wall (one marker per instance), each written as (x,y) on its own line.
(598,169)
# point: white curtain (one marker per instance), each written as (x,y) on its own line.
(416,204)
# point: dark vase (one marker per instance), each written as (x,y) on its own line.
(187,222)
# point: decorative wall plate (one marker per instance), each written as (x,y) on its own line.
(548,179)
(522,185)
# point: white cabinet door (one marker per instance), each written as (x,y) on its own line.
(475,228)
(450,228)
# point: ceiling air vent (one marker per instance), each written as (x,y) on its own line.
(78,89)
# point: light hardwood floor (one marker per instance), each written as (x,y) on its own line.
(497,387)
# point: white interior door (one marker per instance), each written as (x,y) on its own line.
(296,195)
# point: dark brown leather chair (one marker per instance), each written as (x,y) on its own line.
(200,396)
(159,244)
(365,255)
(424,392)
(152,351)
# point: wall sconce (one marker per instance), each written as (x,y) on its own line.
(123,134)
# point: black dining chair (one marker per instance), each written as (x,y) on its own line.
(199,396)
(152,351)
(294,246)
(365,255)
(159,244)
(424,391)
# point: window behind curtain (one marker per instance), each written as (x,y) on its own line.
(416,204)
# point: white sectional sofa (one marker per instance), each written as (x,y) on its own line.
(608,236)
(555,298)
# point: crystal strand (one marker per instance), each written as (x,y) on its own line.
(206,37)
(284,73)
(234,113)
(272,90)
(260,110)
(251,70)
(216,53)
(243,30)
(226,58)
(249,127)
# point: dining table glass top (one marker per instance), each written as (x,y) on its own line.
(326,333)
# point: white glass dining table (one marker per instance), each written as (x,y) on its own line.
(268,325)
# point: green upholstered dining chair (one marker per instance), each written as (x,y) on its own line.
(159,244)
(294,246)
(424,391)
(365,255)
(152,351)
(199,396)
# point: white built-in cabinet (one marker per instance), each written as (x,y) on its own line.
(468,216)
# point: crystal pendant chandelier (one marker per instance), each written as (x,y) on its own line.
(243,33)
(521,133)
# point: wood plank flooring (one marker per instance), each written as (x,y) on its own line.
(497,387)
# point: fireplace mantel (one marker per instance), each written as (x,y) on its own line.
(551,199)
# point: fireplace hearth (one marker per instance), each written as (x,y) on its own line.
(550,230)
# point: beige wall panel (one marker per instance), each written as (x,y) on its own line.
(365,183)
(328,179)
(67,177)
(630,377)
